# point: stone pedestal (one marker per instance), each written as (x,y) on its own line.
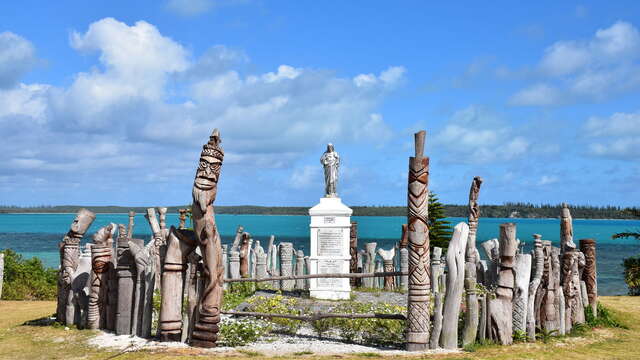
(330,230)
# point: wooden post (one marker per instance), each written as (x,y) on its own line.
(100,265)
(286,267)
(387,258)
(125,283)
(455,286)
(353,251)
(588,247)
(180,244)
(534,285)
(501,308)
(472,314)
(205,333)
(418,323)
(182,216)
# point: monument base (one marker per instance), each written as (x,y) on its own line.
(330,229)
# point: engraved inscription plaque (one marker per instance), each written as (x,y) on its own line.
(330,242)
(329,219)
(327,267)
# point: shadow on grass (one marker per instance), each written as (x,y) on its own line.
(43,321)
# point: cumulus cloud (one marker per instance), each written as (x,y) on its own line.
(149,101)
(475,134)
(617,136)
(586,70)
(17,56)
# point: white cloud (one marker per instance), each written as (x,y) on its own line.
(548,180)
(390,77)
(617,136)
(587,70)
(305,177)
(148,102)
(17,56)
(475,135)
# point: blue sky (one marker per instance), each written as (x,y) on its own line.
(109,103)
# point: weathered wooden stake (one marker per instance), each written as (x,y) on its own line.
(501,308)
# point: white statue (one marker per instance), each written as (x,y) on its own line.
(330,160)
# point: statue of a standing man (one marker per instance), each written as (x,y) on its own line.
(330,160)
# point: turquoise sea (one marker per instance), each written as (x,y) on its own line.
(39,234)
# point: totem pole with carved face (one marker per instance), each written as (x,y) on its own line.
(205,187)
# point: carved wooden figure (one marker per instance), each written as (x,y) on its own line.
(237,240)
(126,283)
(566,229)
(244,255)
(387,259)
(538,258)
(182,217)
(353,251)
(234,265)
(162,214)
(588,248)
(101,265)
(404,238)
(286,267)
(158,247)
(472,314)
(81,288)
(418,244)
(274,271)
(379,281)
(70,254)
(132,215)
(261,262)
(180,244)
(205,187)
(145,284)
(369,263)
(455,286)
(521,293)
(501,308)
(438,280)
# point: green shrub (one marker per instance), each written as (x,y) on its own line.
(384,332)
(278,304)
(238,332)
(27,279)
(236,294)
(632,274)
(605,318)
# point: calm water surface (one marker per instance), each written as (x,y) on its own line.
(39,234)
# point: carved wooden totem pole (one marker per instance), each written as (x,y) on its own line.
(182,216)
(588,247)
(472,314)
(387,259)
(538,258)
(353,251)
(205,188)
(101,264)
(418,234)
(126,283)
(244,255)
(70,256)
(501,308)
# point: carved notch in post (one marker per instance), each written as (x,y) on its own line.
(418,244)
(205,188)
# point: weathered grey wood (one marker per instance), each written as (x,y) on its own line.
(455,285)
(69,256)
(574,310)
(387,258)
(234,265)
(562,313)
(100,266)
(471,318)
(237,240)
(261,261)
(307,264)
(566,229)
(438,304)
(126,283)
(158,243)
(589,274)
(180,244)
(132,215)
(404,267)
(286,267)
(379,282)
(317,316)
(436,269)
(300,283)
(491,248)
(353,251)
(81,288)
(319,276)
(142,261)
(225,264)
(369,263)
(482,323)
(538,259)
(151,274)
(501,307)
(273,262)
(418,322)
(521,292)
(192,296)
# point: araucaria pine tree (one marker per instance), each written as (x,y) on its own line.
(439,229)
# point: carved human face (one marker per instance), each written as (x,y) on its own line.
(82,221)
(208,172)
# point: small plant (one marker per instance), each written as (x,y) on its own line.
(605,318)
(278,304)
(545,335)
(519,336)
(238,332)
(321,326)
